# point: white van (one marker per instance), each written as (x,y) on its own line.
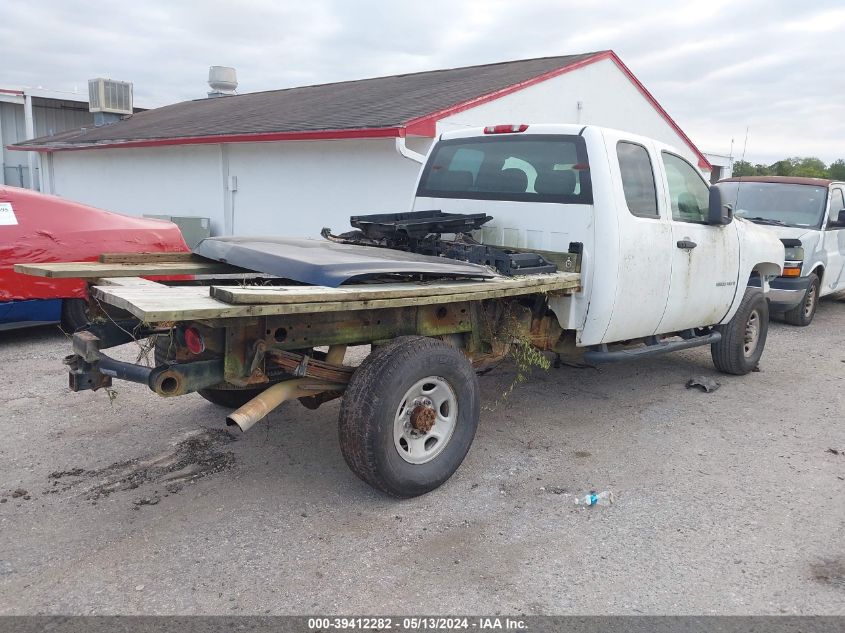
(808,214)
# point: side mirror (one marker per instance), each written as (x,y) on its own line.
(718,213)
(840,220)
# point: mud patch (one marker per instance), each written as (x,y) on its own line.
(829,571)
(199,454)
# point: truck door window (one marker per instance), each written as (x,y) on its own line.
(527,168)
(637,179)
(688,193)
(837,204)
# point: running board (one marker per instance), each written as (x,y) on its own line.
(603,355)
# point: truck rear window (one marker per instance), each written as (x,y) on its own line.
(530,168)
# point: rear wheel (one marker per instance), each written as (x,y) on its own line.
(744,336)
(228,398)
(409,415)
(803,313)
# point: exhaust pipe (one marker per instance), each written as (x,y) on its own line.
(262,404)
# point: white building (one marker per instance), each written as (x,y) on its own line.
(28,113)
(293,161)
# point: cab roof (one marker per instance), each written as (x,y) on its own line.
(786,180)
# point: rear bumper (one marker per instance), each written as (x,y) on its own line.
(787,292)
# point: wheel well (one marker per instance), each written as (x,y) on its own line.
(819,270)
(765,269)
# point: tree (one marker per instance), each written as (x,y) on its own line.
(836,171)
(743,168)
(809,167)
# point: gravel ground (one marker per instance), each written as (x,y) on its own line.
(728,502)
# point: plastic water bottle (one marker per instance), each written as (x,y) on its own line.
(596,499)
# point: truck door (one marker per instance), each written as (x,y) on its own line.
(834,244)
(644,239)
(705,260)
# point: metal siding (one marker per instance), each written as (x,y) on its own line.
(54,116)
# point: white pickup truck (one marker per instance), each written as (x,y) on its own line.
(808,214)
(649,260)
(660,251)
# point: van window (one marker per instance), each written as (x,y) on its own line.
(637,179)
(530,168)
(688,193)
(777,203)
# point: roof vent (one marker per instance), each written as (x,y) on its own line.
(222,80)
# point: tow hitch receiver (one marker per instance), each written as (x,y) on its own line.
(90,369)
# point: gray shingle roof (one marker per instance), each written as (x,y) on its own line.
(383,102)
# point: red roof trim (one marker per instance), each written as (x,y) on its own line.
(702,161)
(426,125)
(317,135)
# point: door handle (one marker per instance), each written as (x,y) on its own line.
(686,244)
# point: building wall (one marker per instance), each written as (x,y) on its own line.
(607,98)
(297,188)
(292,188)
(177,180)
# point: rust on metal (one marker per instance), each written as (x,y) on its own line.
(289,361)
(423,418)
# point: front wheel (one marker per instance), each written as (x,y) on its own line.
(409,415)
(803,313)
(744,336)
(75,314)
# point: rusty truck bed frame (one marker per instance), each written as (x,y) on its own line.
(262,339)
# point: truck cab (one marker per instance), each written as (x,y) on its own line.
(656,256)
(808,214)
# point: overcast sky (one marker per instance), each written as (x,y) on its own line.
(717,67)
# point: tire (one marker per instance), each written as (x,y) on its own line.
(744,336)
(802,314)
(227,398)
(392,397)
(75,315)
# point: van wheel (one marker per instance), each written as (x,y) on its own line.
(803,313)
(744,336)
(409,415)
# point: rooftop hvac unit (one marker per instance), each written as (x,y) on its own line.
(109,95)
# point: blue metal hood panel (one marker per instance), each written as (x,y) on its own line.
(324,263)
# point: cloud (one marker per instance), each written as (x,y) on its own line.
(717,67)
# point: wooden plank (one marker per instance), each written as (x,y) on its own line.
(97,270)
(128,281)
(252,295)
(181,303)
(145,258)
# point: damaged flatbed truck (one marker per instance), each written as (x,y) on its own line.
(585,242)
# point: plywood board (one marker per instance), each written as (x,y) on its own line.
(145,258)
(252,295)
(181,303)
(96,270)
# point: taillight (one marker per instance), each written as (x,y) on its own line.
(505,129)
(194,341)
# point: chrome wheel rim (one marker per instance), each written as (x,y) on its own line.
(425,420)
(752,333)
(810,302)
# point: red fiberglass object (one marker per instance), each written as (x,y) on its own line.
(37,228)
